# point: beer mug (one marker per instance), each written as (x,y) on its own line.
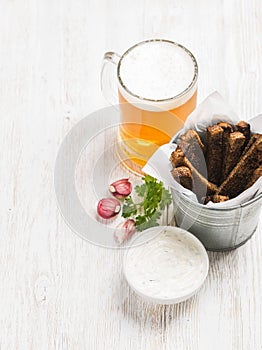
(157,89)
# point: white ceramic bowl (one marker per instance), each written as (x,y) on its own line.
(166,264)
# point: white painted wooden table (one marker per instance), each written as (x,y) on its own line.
(58,291)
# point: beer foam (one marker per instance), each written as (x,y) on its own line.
(157,70)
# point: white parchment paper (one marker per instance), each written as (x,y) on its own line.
(212,110)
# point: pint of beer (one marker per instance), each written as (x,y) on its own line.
(157,89)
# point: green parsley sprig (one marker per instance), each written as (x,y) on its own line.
(153,198)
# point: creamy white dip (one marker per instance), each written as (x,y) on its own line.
(170,266)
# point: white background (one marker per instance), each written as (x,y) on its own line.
(57,291)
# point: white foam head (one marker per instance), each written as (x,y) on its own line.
(157,70)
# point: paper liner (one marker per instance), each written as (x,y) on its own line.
(211,111)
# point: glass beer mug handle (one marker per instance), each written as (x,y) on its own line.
(108,79)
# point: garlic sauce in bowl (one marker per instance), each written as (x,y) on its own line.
(169,266)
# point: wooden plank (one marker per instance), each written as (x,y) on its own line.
(58,291)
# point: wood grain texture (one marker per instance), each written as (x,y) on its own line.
(58,291)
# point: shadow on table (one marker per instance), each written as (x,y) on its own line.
(155,315)
(149,313)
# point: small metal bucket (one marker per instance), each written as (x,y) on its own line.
(218,229)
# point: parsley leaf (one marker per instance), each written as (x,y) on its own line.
(141,190)
(154,198)
(129,207)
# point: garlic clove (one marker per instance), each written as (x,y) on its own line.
(125,231)
(121,188)
(108,207)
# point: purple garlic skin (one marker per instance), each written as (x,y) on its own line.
(108,207)
(125,231)
(121,188)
